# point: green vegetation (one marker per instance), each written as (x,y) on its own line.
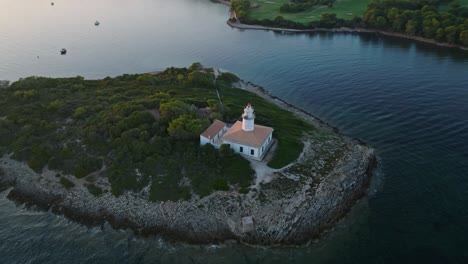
(439,20)
(305,12)
(138,130)
(66,183)
(4,84)
(227,78)
(242,8)
(420,18)
(93,189)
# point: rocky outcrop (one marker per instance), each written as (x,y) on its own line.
(296,205)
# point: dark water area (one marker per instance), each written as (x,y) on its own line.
(408,100)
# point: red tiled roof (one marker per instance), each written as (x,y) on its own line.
(252,138)
(213,129)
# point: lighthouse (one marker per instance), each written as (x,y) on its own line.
(248,118)
(244,137)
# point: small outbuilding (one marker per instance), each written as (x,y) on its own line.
(213,133)
(247,224)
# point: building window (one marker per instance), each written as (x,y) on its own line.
(241,149)
(262,149)
(252,152)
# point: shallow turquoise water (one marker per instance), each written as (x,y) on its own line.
(408,100)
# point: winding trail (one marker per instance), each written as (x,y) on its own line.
(216,74)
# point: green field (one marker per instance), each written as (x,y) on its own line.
(269,9)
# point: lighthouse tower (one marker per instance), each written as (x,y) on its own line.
(248,118)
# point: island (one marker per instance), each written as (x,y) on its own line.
(191,154)
(438,22)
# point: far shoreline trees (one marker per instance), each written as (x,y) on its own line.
(421,18)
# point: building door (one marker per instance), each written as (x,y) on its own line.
(252,152)
(241,149)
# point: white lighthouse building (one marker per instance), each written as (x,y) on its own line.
(244,137)
(248,118)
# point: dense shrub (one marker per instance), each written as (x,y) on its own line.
(93,189)
(66,183)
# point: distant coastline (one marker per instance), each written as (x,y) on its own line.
(240,25)
(346,30)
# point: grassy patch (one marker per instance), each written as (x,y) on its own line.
(345,9)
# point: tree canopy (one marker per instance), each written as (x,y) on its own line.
(418,18)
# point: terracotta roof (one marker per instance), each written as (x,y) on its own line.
(253,138)
(213,129)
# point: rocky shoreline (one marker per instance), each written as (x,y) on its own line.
(296,205)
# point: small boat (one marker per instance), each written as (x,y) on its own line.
(63,51)
(96,23)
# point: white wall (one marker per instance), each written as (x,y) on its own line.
(266,144)
(236,147)
(246,150)
(204,140)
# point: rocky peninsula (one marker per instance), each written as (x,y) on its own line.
(290,205)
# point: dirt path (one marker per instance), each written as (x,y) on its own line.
(263,173)
(216,74)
